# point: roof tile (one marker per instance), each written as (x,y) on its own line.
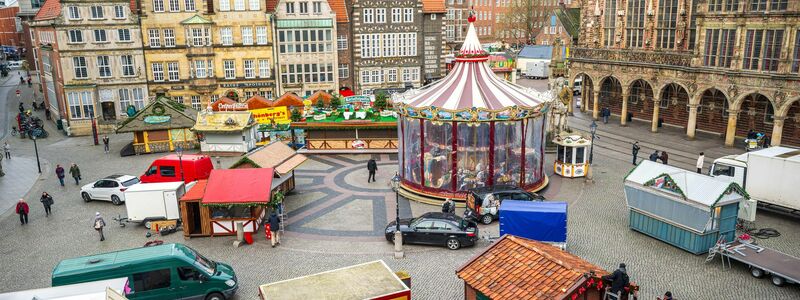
(433,6)
(51,9)
(340,8)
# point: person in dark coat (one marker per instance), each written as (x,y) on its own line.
(667,296)
(619,279)
(767,141)
(98,224)
(372,166)
(274,229)
(635,151)
(654,156)
(105,143)
(22,210)
(75,171)
(606,114)
(664,157)
(448,206)
(47,201)
(21,107)
(60,174)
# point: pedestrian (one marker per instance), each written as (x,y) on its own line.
(7,150)
(22,210)
(105,143)
(60,174)
(21,107)
(700,160)
(635,151)
(372,166)
(274,228)
(654,156)
(47,201)
(664,157)
(448,206)
(767,141)
(47,113)
(75,171)
(29,83)
(99,223)
(667,296)
(21,80)
(606,114)
(619,279)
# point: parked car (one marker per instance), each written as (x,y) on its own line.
(435,228)
(168,168)
(111,188)
(483,204)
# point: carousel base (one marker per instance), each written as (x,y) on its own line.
(421,197)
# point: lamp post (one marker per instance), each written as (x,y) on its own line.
(179,153)
(398,236)
(593,131)
(36,149)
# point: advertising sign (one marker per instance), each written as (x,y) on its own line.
(364,100)
(278,114)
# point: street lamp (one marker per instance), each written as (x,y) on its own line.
(398,236)
(593,131)
(36,149)
(179,152)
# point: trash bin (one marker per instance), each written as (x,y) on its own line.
(660,122)
(59,124)
(630,117)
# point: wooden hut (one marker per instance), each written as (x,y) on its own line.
(277,156)
(682,208)
(161,126)
(226,132)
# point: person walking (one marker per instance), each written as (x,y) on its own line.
(667,296)
(21,107)
(75,171)
(22,210)
(7,150)
(274,229)
(654,156)
(664,157)
(60,174)
(448,206)
(619,279)
(105,143)
(635,151)
(700,160)
(372,166)
(47,201)
(99,223)
(606,114)
(29,82)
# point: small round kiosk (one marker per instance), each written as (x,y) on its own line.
(470,129)
(572,155)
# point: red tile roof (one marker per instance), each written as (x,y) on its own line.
(519,268)
(271,4)
(51,9)
(433,6)
(340,8)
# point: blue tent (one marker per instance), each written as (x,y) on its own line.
(541,221)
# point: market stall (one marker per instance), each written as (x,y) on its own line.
(682,208)
(470,129)
(161,126)
(277,156)
(572,154)
(213,207)
(226,132)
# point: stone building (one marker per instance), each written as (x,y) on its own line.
(344,37)
(200,50)
(718,66)
(90,55)
(306,55)
(434,44)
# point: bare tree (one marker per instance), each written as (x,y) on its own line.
(519,21)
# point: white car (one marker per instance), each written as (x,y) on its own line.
(111,188)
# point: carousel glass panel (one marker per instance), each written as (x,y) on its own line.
(473,155)
(411,148)
(507,152)
(438,158)
(533,150)
(400,143)
(580,157)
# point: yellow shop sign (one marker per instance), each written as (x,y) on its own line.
(279,114)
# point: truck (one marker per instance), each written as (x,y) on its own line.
(171,168)
(767,175)
(147,202)
(540,221)
(537,69)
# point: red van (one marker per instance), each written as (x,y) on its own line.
(167,169)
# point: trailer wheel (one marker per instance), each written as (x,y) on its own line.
(777,280)
(148,224)
(756,272)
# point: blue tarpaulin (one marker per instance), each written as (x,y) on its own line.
(541,221)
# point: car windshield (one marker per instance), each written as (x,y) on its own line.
(207,265)
(131,182)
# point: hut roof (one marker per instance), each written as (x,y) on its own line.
(258,101)
(275,155)
(326,98)
(698,188)
(289,99)
(177,116)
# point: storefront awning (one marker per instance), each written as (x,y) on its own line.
(238,187)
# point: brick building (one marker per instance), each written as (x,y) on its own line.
(344,38)
(456,23)
(718,66)
(28,10)
(10,28)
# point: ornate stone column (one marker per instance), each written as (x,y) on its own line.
(656,109)
(777,130)
(730,133)
(623,115)
(595,111)
(690,128)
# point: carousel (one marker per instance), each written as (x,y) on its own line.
(470,129)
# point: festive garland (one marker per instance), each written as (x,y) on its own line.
(667,181)
(277,199)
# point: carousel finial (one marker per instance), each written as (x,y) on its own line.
(471,17)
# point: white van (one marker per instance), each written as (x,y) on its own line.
(15,64)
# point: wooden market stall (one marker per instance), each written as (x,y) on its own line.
(213,207)
(161,126)
(682,208)
(572,155)
(278,156)
(226,132)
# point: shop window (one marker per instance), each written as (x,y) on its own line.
(230,212)
(152,280)
(580,155)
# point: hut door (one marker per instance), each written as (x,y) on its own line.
(193,224)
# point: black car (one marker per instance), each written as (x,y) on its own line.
(483,203)
(436,228)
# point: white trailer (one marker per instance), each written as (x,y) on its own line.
(146,202)
(537,69)
(111,289)
(769,176)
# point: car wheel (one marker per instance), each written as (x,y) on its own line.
(486,219)
(86,197)
(453,244)
(756,272)
(115,199)
(777,280)
(215,296)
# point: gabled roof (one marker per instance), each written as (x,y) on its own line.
(196,19)
(698,188)
(51,9)
(340,8)
(197,191)
(180,116)
(271,5)
(326,98)
(289,99)
(433,6)
(257,102)
(238,187)
(275,155)
(519,268)
(571,20)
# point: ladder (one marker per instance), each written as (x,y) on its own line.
(282,216)
(719,247)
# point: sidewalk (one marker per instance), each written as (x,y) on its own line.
(21,175)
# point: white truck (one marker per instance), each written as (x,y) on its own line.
(537,69)
(147,202)
(769,176)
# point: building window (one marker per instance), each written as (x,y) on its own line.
(75,36)
(391,75)
(723,5)
(196,103)
(762,46)
(380,15)
(261,35)
(158,5)
(410,74)
(174,5)
(796,59)
(103,66)
(119,12)
(124,100)
(778,5)
(238,4)
(79,63)
(74,13)
(124,35)
(188,5)
(667,23)
(303,8)
(173,71)
(97,12)
(344,70)
(397,15)
(305,40)
(80,105)
(138,98)
(408,15)
(230,68)
(307,73)
(376,76)
(635,24)
(249,68)
(227,36)
(341,42)
(200,37)
(155,38)
(364,77)
(263,68)
(224,5)
(368,16)
(169,38)
(290,7)
(317,8)
(719,47)
(200,69)
(610,22)
(255,4)
(158,72)
(433,16)
(127,65)
(100,36)
(247,35)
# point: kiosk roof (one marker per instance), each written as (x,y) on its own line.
(238,186)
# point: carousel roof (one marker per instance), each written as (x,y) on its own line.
(472,87)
